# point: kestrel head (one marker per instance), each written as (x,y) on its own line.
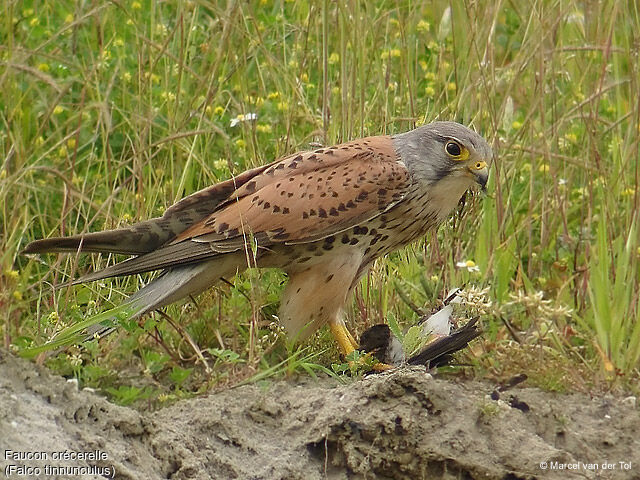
(445,152)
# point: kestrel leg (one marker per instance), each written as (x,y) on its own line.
(316,295)
(343,337)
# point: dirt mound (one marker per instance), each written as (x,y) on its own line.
(403,425)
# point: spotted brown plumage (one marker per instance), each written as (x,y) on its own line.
(323,216)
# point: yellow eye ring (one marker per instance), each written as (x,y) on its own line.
(456,151)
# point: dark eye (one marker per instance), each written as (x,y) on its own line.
(453,149)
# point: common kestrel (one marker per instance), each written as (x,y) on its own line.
(322,216)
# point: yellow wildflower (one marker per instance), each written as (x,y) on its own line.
(11,274)
(393,53)
(423,26)
(43,67)
(220,164)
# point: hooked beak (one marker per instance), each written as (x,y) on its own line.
(480,172)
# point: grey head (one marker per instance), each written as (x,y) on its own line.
(445,151)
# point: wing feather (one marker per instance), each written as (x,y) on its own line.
(146,236)
(322,194)
(302,198)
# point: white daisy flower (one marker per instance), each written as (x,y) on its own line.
(470,265)
(246,117)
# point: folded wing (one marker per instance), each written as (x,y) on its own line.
(301,198)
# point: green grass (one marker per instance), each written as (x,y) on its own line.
(112,111)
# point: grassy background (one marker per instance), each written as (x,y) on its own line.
(112,111)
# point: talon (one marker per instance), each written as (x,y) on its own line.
(365,361)
(382,367)
(348,345)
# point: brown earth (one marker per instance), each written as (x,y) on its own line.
(402,425)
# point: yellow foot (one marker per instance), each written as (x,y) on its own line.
(348,345)
(343,337)
(382,367)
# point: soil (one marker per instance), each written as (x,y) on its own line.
(401,425)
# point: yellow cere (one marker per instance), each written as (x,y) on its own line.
(479,165)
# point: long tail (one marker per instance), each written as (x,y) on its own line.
(149,235)
(174,284)
(140,238)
